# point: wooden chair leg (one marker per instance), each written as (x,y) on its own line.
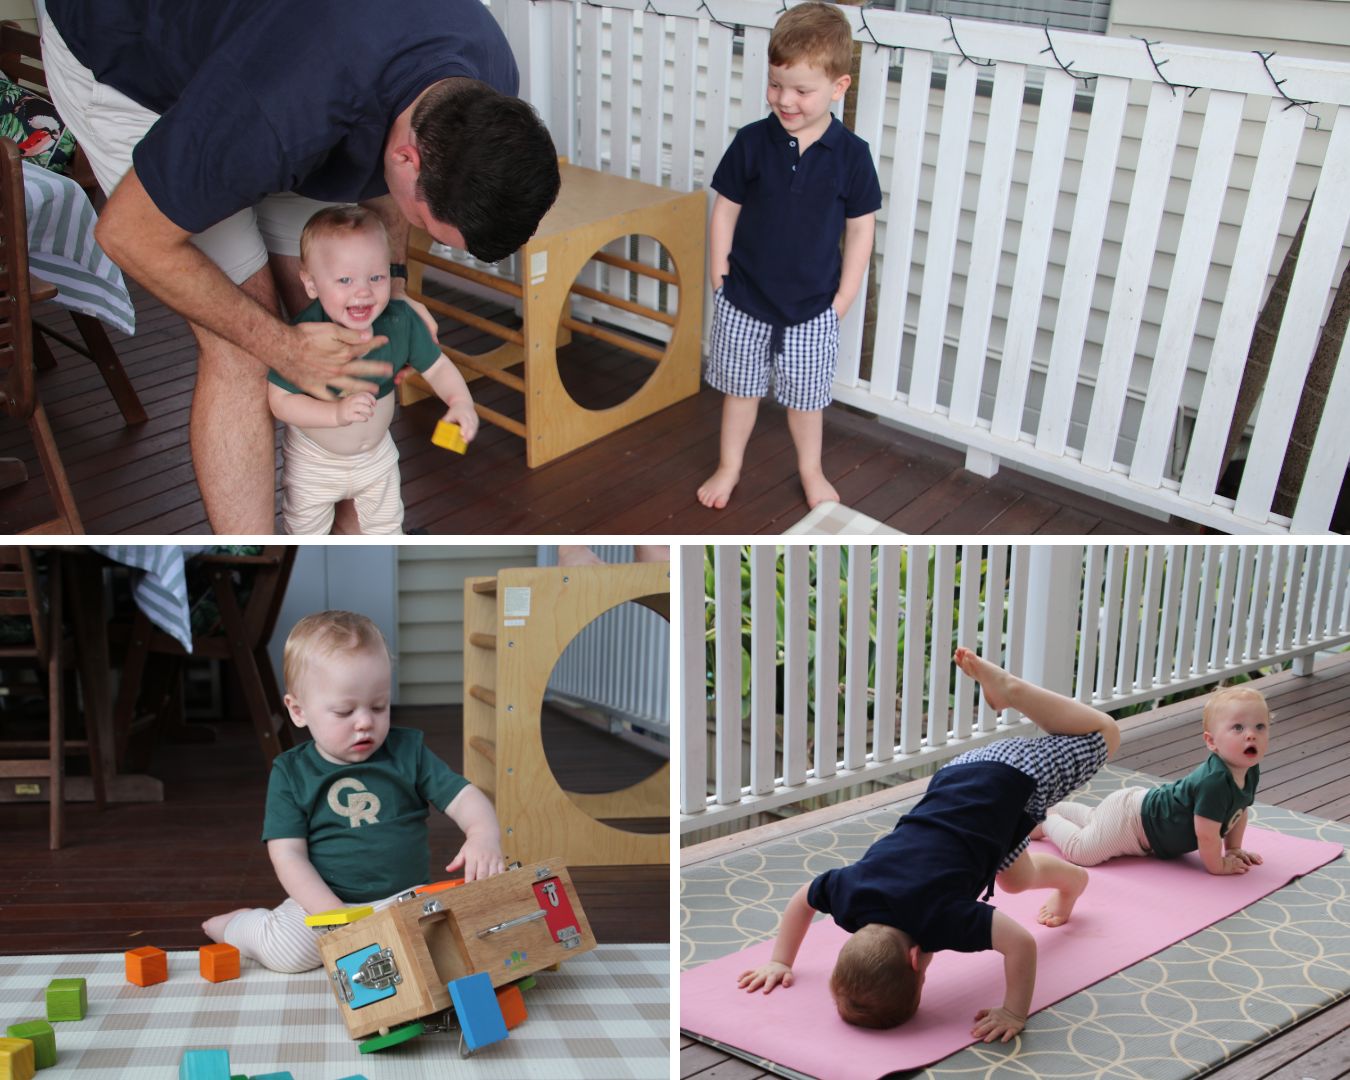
(103,354)
(265,724)
(276,706)
(58,484)
(129,691)
(56,789)
(43,357)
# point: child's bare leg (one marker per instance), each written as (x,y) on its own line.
(807,430)
(1051,712)
(214,927)
(1042,871)
(738,421)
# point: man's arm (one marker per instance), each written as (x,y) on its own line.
(290,860)
(858,235)
(161,256)
(791,933)
(1211,849)
(720,231)
(1018,947)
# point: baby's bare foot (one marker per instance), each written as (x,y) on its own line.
(1038,833)
(993,680)
(717,489)
(1056,910)
(818,489)
(214,928)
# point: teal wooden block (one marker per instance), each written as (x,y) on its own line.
(41,1035)
(476,1009)
(358,1076)
(67,999)
(205,1065)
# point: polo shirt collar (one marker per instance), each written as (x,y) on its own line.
(830,137)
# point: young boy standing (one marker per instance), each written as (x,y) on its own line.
(336,450)
(787,187)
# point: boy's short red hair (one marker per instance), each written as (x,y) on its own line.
(818,34)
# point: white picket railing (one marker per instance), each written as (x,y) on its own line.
(1112,625)
(1072,290)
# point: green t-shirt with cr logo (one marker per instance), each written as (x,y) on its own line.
(1209,791)
(366,824)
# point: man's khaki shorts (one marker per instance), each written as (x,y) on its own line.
(108,125)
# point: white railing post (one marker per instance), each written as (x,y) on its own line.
(692,683)
(1054,592)
(763,683)
(727,598)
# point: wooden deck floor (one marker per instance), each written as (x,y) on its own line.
(1307,768)
(149,873)
(639,480)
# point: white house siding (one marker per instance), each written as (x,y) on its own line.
(431,614)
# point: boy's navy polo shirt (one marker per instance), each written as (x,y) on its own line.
(925,876)
(785,259)
(265,96)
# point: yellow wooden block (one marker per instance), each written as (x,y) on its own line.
(17,1059)
(339,916)
(448,437)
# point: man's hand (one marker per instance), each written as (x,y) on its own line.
(1001,1024)
(326,355)
(1251,858)
(767,976)
(356,409)
(478,860)
(462,412)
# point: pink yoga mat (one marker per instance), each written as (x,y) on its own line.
(1133,908)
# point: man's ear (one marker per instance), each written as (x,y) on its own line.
(406,154)
(293,706)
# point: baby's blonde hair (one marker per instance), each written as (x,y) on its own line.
(323,634)
(1231,695)
(873,983)
(341,220)
(818,34)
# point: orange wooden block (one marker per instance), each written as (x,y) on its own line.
(512,1003)
(218,962)
(147,966)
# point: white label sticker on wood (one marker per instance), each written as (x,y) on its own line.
(513,622)
(516,601)
(538,267)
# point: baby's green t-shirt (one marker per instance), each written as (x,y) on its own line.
(366,824)
(1208,791)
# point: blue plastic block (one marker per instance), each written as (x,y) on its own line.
(480,1017)
(205,1065)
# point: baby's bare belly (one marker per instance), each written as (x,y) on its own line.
(359,437)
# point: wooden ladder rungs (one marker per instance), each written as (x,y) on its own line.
(486,747)
(488,587)
(483,694)
(483,641)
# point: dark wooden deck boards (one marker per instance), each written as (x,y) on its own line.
(640,480)
(149,873)
(1307,768)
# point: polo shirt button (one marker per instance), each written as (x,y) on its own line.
(792,142)
(794,168)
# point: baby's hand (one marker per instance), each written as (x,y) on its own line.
(1233,863)
(356,409)
(1000,1024)
(1251,858)
(462,412)
(768,976)
(478,860)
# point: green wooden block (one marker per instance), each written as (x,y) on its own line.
(526,983)
(67,999)
(398,1035)
(41,1035)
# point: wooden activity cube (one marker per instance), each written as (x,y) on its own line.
(593,209)
(392,967)
(516,626)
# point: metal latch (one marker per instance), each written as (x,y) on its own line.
(569,937)
(378,972)
(512,922)
(343,985)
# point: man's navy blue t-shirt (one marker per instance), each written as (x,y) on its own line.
(785,260)
(264,96)
(926,875)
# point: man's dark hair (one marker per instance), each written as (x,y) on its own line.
(489,168)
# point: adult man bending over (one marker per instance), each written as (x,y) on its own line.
(219,126)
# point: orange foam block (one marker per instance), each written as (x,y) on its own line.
(147,966)
(218,962)
(512,1003)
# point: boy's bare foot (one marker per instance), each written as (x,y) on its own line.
(818,489)
(214,928)
(717,489)
(993,680)
(1038,833)
(577,555)
(1056,910)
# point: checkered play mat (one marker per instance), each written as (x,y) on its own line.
(604,1014)
(1177,1014)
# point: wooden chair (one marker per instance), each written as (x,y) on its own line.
(22,595)
(239,636)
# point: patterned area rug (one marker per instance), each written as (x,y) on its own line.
(605,1014)
(1177,1014)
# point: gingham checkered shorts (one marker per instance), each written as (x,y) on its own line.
(1059,764)
(742,357)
